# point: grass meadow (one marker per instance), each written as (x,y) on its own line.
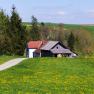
(49,76)
(6,58)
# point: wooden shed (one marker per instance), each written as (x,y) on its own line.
(55,48)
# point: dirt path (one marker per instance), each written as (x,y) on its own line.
(11,63)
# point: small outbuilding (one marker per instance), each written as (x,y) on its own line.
(56,49)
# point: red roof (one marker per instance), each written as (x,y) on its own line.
(36,44)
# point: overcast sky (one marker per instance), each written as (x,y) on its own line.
(58,11)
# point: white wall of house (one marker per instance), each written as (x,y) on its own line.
(31,53)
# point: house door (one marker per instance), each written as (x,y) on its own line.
(55,55)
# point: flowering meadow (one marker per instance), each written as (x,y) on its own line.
(49,76)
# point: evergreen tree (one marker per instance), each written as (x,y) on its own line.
(35,34)
(4,38)
(71,41)
(17,34)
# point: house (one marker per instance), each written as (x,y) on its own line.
(48,49)
(33,48)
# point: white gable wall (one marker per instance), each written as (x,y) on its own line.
(31,53)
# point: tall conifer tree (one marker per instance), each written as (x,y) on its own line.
(17,33)
(35,34)
(71,41)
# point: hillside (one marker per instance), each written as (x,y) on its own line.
(49,76)
(88,27)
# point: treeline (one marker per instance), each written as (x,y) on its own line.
(14,35)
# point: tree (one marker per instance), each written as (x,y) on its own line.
(71,41)
(83,44)
(5,41)
(35,34)
(17,33)
(44,31)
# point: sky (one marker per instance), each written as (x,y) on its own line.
(56,11)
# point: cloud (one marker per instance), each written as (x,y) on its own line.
(61,13)
(90,13)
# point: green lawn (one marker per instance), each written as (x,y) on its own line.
(49,76)
(5,58)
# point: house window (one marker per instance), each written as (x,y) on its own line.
(57,47)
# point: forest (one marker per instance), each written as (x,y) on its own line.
(14,34)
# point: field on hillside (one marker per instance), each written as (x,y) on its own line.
(89,28)
(49,76)
(6,58)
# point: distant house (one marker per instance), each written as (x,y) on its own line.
(33,48)
(47,49)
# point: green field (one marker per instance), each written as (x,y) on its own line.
(89,28)
(6,58)
(49,76)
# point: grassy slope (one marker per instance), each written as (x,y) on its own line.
(68,26)
(49,76)
(6,58)
(86,27)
